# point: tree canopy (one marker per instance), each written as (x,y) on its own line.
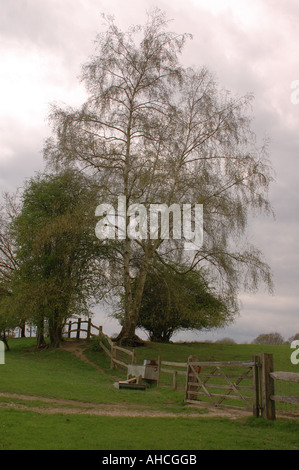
(155,132)
(59,262)
(172,302)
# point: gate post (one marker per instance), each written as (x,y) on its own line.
(190,379)
(267,386)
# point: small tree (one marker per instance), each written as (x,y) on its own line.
(295,337)
(269,338)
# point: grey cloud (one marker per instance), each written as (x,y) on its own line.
(24,144)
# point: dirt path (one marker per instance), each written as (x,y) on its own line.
(77,348)
(62,406)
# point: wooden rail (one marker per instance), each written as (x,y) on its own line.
(118,356)
(286,377)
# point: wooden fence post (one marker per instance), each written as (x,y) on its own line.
(174,380)
(256,387)
(69,330)
(113,354)
(79,328)
(88,329)
(134,359)
(100,335)
(267,386)
(159,370)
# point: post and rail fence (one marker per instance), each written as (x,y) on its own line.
(118,356)
(122,357)
(77,328)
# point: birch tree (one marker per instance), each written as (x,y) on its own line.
(158,133)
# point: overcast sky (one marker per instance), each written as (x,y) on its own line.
(251,46)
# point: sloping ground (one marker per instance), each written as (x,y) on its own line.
(44,405)
(77,349)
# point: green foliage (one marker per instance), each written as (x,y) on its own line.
(58,254)
(172,301)
(95,345)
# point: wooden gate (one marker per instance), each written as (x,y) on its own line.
(223,383)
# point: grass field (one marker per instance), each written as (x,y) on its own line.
(53,400)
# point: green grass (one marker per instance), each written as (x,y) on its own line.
(57,374)
(179,352)
(51,373)
(30,431)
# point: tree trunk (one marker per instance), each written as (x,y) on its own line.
(23,330)
(41,343)
(160,336)
(55,331)
(127,336)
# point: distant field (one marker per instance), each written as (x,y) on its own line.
(51,399)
